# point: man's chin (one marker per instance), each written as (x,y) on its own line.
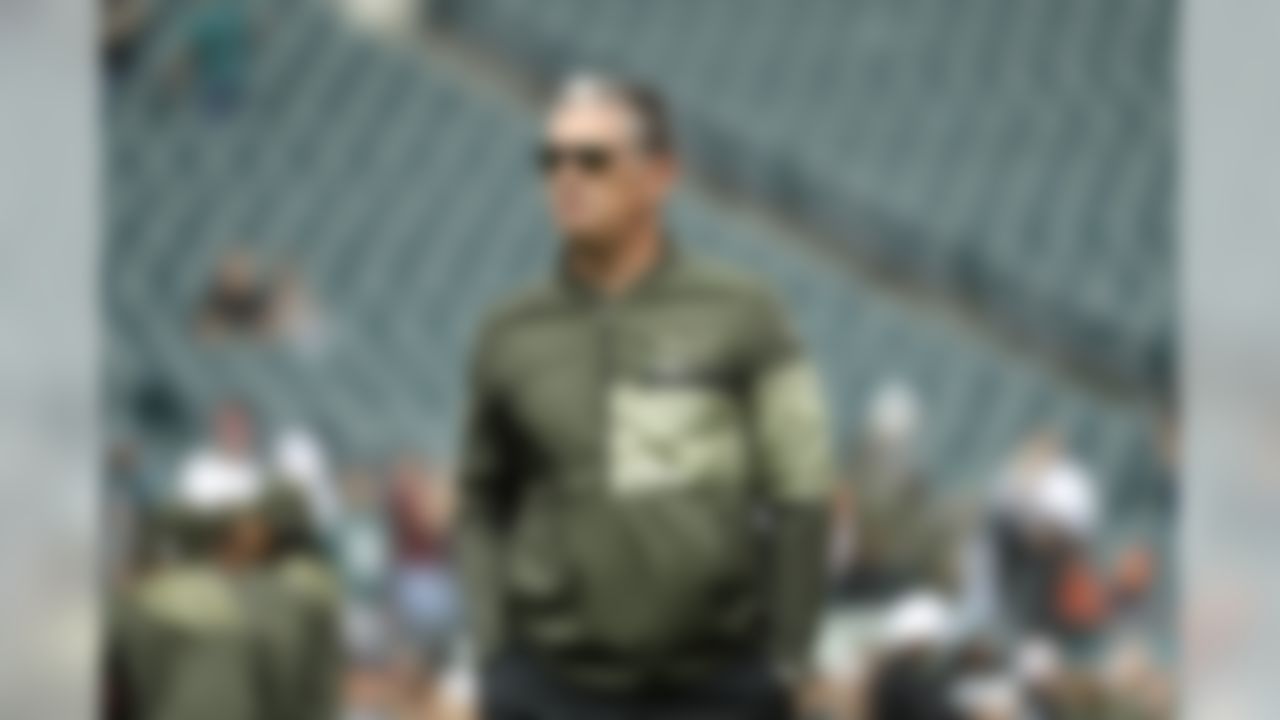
(586,240)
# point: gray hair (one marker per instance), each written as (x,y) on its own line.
(643,101)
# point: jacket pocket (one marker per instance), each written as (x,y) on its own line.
(538,575)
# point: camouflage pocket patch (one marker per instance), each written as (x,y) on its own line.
(664,437)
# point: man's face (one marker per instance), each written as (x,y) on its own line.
(599,179)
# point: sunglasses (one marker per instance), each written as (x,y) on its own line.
(588,159)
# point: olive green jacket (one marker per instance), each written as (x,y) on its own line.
(315,599)
(190,650)
(645,478)
(196,642)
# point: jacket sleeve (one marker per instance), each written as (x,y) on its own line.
(797,469)
(479,527)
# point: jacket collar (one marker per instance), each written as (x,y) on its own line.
(667,262)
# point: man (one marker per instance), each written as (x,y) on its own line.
(646,471)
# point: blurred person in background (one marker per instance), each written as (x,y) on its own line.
(913,678)
(893,534)
(185,643)
(1044,541)
(1134,629)
(218,43)
(279,612)
(123,24)
(296,316)
(1132,578)
(1143,572)
(299,567)
(238,301)
(300,458)
(1119,688)
(646,471)
(984,686)
(129,505)
(130,472)
(362,548)
(226,469)
(425,585)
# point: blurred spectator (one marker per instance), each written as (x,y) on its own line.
(985,687)
(226,470)
(302,460)
(125,503)
(218,41)
(243,300)
(362,551)
(295,315)
(913,679)
(425,586)
(900,523)
(1043,529)
(128,475)
(892,531)
(238,302)
(182,643)
(1124,688)
(123,23)
(303,577)
(1132,578)
(134,514)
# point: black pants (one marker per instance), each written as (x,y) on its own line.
(516,687)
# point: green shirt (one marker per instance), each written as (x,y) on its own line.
(645,478)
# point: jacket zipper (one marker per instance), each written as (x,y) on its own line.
(604,338)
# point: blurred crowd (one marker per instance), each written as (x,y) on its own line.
(1003,604)
(1006,603)
(230,523)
